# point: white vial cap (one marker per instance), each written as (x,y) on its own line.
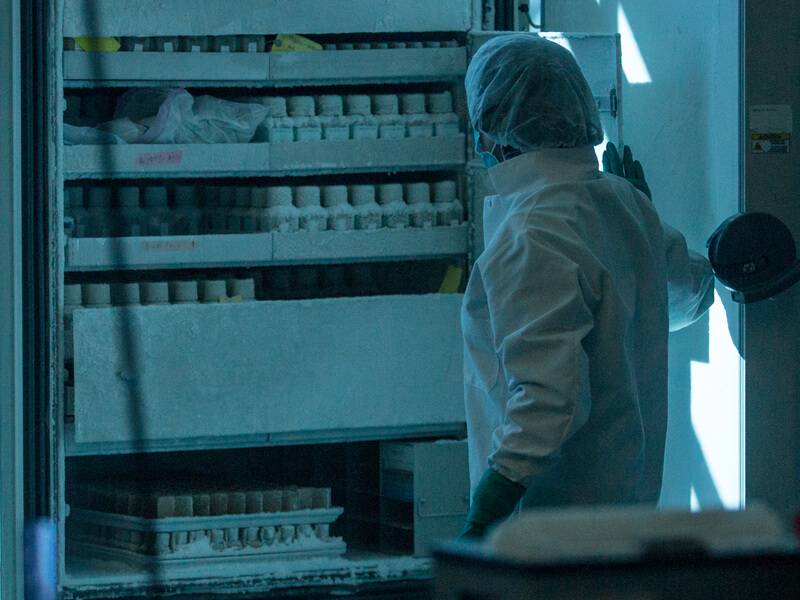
(385,104)
(128,197)
(260,196)
(334,195)
(211,290)
(185,195)
(243,199)
(99,197)
(96,294)
(362,194)
(154,292)
(155,196)
(275,105)
(417,193)
(306,195)
(440,103)
(329,106)
(444,191)
(182,292)
(279,196)
(357,104)
(301,106)
(389,193)
(412,104)
(125,294)
(246,288)
(72,295)
(73,197)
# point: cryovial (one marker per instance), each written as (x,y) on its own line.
(432,44)
(329,46)
(136,44)
(125,294)
(363,126)
(195,44)
(369,215)
(312,216)
(445,120)
(73,208)
(96,295)
(100,212)
(242,288)
(330,110)
(345,46)
(213,290)
(252,43)
(155,206)
(239,217)
(418,122)
(213,219)
(418,198)
(396,213)
(280,215)
(415,45)
(225,43)
(131,219)
(277,126)
(307,127)
(386,109)
(186,215)
(446,206)
(166,44)
(154,293)
(226,200)
(397,45)
(380,46)
(73,298)
(341,215)
(363,46)
(183,292)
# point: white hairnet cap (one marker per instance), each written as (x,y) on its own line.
(529,93)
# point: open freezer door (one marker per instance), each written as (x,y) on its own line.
(600,59)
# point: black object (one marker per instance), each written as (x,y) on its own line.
(754,255)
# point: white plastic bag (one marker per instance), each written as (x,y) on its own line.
(173,116)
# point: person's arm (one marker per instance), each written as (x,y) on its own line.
(539,319)
(690,281)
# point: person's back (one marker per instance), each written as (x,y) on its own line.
(567,312)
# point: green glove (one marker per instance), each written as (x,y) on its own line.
(494,499)
(626,168)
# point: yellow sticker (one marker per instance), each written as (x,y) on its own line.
(293,43)
(98,44)
(452,279)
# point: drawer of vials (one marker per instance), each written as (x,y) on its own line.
(205,522)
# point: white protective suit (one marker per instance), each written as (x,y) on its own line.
(565,320)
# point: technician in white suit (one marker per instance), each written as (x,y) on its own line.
(567,311)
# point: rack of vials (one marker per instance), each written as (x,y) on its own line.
(277,209)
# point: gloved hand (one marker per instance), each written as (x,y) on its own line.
(494,499)
(626,168)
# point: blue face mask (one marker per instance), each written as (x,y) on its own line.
(488,159)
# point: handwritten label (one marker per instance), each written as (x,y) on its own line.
(152,159)
(169,245)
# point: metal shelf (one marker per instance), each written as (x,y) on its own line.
(260,249)
(93,69)
(210,17)
(258,159)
